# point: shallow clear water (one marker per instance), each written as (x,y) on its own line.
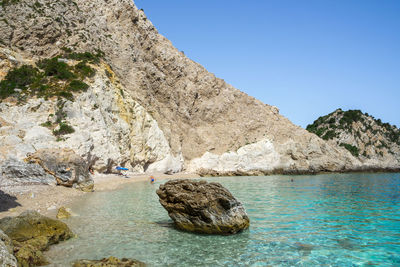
(329,220)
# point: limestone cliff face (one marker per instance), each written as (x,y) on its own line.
(374,143)
(172,114)
(117,127)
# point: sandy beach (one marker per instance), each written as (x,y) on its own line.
(46,199)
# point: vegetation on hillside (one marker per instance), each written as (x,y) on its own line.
(57,122)
(4,3)
(353,150)
(51,77)
(330,127)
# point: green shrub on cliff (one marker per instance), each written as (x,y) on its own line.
(351,116)
(52,77)
(84,70)
(329,135)
(77,86)
(5,3)
(64,129)
(353,150)
(56,68)
(85,56)
(18,78)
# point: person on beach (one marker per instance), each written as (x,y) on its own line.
(152,179)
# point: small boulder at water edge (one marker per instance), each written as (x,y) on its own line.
(63,213)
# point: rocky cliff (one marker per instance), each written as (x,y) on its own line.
(370,140)
(146,106)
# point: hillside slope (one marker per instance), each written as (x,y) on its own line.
(164,113)
(367,138)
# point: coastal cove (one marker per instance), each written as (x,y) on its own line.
(118,147)
(333,219)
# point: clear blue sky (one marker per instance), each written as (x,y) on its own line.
(305,57)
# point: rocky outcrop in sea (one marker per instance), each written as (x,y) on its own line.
(202,207)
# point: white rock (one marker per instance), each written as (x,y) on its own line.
(260,156)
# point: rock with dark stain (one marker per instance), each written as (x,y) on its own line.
(201,207)
(109,262)
(68,168)
(32,233)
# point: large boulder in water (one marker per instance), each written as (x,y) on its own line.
(32,233)
(201,207)
(68,168)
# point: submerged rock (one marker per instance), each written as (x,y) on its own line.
(68,168)
(201,207)
(63,213)
(7,258)
(32,233)
(108,262)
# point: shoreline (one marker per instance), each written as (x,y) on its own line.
(47,199)
(212,173)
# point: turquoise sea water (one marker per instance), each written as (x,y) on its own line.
(323,220)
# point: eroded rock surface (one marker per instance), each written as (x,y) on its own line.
(16,172)
(7,258)
(109,262)
(201,207)
(32,233)
(68,168)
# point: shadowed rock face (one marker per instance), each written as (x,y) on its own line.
(201,207)
(7,201)
(32,233)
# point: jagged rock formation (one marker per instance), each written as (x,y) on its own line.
(14,172)
(7,258)
(47,167)
(201,207)
(147,106)
(68,168)
(32,233)
(374,143)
